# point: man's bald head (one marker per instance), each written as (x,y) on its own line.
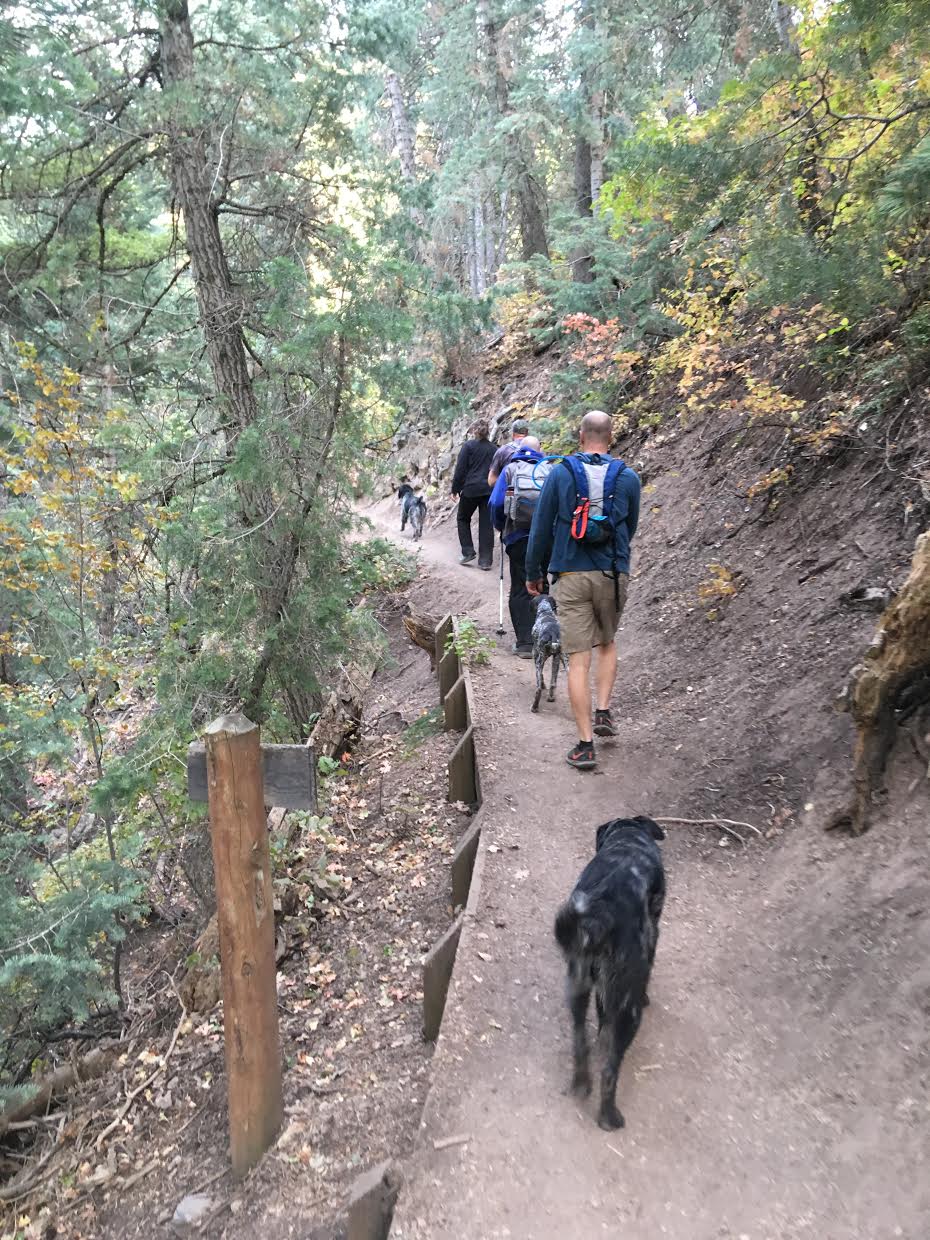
(595,432)
(530,441)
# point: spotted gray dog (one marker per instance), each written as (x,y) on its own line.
(608,930)
(547,644)
(413,509)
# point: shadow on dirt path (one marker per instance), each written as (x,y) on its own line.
(778,1086)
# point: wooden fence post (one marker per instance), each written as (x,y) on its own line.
(245,916)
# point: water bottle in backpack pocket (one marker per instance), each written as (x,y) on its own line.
(524,482)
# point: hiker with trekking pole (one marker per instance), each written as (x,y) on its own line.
(512,503)
(584,521)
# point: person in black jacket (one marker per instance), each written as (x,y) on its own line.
(470,488)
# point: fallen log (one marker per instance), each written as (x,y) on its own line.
(89,1067)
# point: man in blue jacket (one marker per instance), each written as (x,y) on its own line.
(592,581)
(514,540)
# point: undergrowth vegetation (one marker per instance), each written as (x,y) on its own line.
(469,644)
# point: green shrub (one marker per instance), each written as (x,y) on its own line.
(59,926)
(468,643)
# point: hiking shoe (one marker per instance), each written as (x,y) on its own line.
(467,557)
(487,567)
(603,724)
(522,650)
(582,756)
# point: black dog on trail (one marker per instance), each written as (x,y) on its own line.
(608,931)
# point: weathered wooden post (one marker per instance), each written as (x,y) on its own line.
(245,916)
(239,777)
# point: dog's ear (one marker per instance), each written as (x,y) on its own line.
(657,832)
(602,833)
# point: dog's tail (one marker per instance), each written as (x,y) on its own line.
(576,928)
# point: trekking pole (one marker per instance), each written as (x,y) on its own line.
(500,620)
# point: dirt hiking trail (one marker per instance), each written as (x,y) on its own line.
(778,1087)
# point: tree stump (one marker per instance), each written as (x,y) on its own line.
(896,664)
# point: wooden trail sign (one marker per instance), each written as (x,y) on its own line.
(237,776)
(288,775)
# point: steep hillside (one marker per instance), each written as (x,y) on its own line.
(776,524)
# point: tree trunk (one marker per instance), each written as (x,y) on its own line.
(471,258)
(598,107)
(490,245)
(109,584)
(289,555)
(501,251)
(598,147)
(784,27)
(588,168)
(222,310)
(813,216)
(220,304)
(893,677)
(532,220)
(477,216)
(14,799)
(403,130)
(581,261)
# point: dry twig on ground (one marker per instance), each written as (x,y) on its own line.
(134,1094)
(725,824)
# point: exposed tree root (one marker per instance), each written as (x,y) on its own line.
(897,664)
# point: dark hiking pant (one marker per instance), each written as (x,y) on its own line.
(522,611)
(467,506)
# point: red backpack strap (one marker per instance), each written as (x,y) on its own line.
(582,509)
(580,519)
